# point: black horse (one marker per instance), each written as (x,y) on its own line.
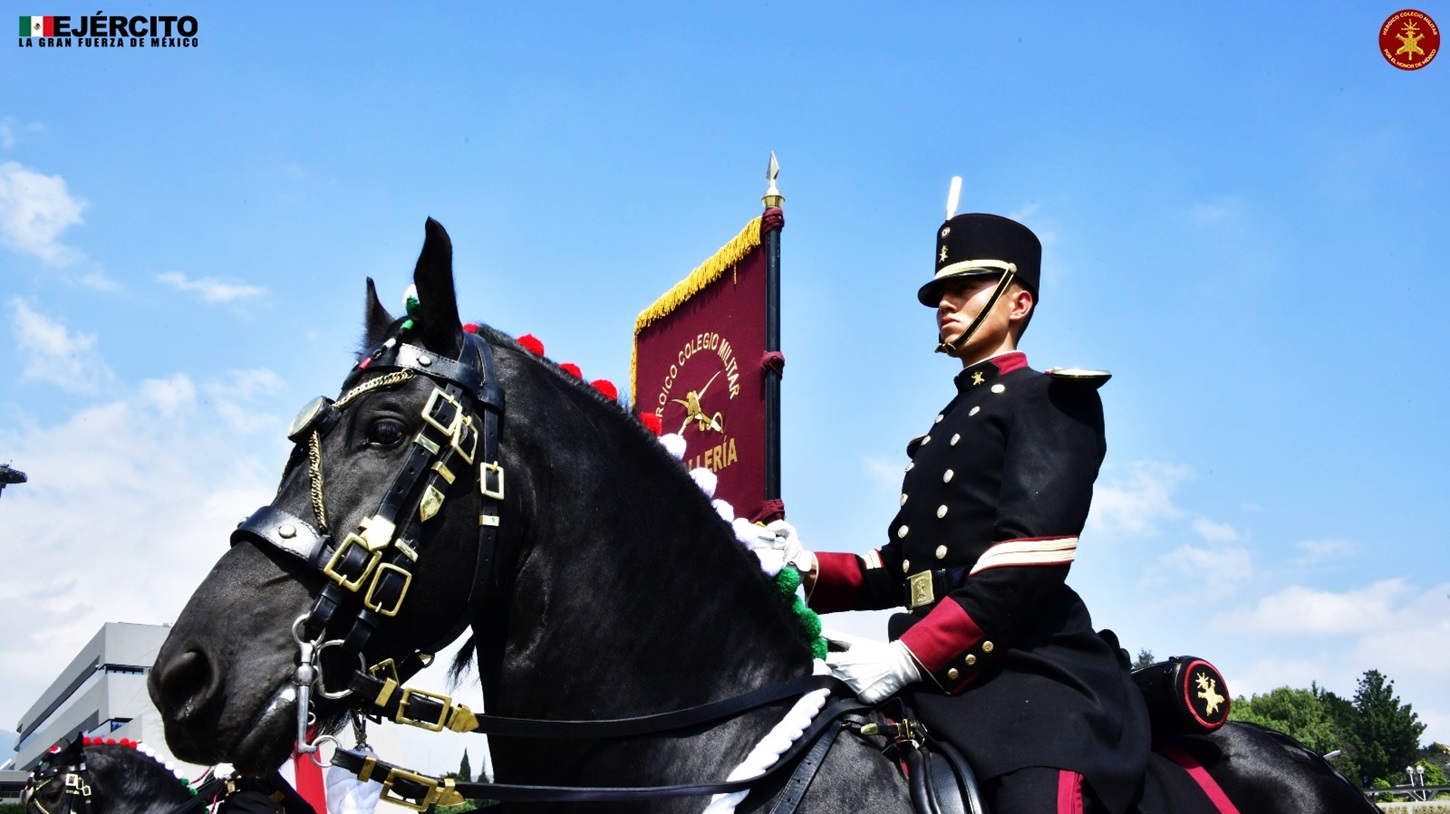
(600,583)
(105,778)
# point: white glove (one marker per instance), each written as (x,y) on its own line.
(874,670)
(782,536)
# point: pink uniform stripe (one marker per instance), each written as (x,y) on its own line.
(1200,776)
(1069,792)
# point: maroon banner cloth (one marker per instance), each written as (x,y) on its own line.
(698,368)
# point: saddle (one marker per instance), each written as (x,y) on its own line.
(940,779)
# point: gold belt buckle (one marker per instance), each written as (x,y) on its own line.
(922,593)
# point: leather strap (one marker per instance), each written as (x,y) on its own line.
(405,784)
(426,708)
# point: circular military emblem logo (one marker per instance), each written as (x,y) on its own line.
(1205,694)
(1409,39)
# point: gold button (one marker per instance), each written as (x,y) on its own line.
(910,465)
(925,439)
(941,552)
(999,388)
(901,532)
(946,476)
(955,438)
(941,511)
(938,418)
(953,673)
(987,647)
(975,410)
(971,659)
(903,498)
(906,566)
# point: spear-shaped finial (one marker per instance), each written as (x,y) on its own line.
(953,196)
(772,197)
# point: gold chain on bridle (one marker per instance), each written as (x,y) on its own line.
(314,446)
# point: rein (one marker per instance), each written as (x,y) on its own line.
(370,572)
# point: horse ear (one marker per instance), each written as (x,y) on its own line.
(378,319)
(437,301)
(69,752)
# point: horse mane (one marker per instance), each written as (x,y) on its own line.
(607,416)
(126,774)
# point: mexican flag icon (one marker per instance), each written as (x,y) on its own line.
(37,26)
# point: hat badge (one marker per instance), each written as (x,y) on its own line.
(946,230)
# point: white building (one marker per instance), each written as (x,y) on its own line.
(101,693)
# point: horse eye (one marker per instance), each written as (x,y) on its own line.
(385,432)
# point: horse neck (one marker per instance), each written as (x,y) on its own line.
(129,782)
(633,595)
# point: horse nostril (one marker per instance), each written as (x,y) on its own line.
(187,683)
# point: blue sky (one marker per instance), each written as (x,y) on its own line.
(1243,211)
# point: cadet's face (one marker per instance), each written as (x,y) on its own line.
(961,300)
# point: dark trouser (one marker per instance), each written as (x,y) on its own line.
(1038,790)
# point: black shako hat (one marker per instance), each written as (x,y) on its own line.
(979,244)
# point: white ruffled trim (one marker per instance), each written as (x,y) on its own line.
(768,751)
(776,741)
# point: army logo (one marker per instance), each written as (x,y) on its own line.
(1409,40)
(1208,694)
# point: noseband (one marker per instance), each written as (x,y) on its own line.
(369,571)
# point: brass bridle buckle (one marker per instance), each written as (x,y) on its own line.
(446,702)
(435,794)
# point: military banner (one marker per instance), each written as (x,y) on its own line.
(701,362)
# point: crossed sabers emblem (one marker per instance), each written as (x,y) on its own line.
(693,411)
(1208,691)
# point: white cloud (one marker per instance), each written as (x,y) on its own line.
(1316,551)
(1226,211)
(235,395)
(169,396)
(209,288)
(128,505)
(1299,610)
(1300,635)
(55,354)
(1214,532)
(884,472)
(1199,574)
(1134,505)
(34,210)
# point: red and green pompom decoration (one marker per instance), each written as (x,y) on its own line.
(572,369)
(532,344)
(787,580)
(470,328)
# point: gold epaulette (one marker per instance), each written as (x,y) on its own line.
(1092,378)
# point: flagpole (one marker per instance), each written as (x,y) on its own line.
(773,221)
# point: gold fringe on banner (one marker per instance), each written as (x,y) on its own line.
(704,274)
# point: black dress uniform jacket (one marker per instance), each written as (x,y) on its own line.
(993,500)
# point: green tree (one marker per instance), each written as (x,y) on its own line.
(1145,659)
(1314,717)
(1388,731)
(465,771)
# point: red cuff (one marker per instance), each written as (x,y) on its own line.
(838,582)
(942,636)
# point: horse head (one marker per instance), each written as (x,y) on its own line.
(413,507)
(92,777)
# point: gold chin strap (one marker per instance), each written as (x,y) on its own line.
(950,348)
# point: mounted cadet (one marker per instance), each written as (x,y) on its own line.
(997,655)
